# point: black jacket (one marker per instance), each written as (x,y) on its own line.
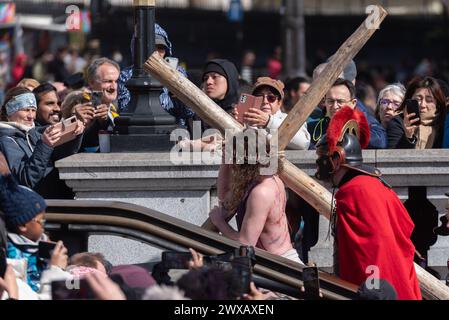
(396,138)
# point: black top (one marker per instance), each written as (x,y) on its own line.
(397,139)
(233,94)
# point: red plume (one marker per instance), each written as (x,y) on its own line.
(339,120)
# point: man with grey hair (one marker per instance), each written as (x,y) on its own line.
(102,76)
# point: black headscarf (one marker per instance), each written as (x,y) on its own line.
(232,76)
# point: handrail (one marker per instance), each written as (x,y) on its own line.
(146,220)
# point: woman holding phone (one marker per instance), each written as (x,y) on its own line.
(30,151)
(420,124)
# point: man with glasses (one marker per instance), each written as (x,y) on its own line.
(378,137)
(270,116)
(341,94)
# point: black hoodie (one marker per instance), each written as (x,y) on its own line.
(233,93)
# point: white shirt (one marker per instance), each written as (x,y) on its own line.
(301,139)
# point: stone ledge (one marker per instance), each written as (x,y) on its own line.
(188,190)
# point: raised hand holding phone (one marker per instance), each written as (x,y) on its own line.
(68,128)
(411,118)
(246,102)
(52,135)
(311,281)
(59,256)
(173,62)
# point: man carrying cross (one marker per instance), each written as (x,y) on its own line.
(258,200)
(293,177)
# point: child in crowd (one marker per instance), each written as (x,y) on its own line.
(24,212)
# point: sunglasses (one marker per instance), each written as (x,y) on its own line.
(270,97)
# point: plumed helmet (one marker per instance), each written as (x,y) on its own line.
(348,133)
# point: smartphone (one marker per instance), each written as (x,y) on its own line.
(413,107)
(46,249)
(68,126)
(72,289)
(224,257)
(3,262)
(311,282)
(246,102)
(96,98)
(172,62)
(248,251)
(243,269)
(176,259)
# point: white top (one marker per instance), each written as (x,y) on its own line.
(300,141)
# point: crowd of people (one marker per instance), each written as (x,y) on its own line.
(268,215)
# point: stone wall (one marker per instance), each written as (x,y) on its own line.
(188,190)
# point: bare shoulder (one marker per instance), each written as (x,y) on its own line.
(266,190)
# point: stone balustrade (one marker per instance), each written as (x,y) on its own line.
(186,187)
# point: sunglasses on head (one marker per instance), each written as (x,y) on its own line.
(270,97)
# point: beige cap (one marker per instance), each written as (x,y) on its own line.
(267,81)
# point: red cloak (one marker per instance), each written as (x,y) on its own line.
(374,229)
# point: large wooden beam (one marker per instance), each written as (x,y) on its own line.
(307,103)
(294,178)
(313,192)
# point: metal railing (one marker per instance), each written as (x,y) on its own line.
(118,217)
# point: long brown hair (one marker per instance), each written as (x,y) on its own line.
(11,93)
(243,175)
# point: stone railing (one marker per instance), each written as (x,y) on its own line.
(188,191)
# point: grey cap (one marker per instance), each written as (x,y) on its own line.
(160,40)
(350,71)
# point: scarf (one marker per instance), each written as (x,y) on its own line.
(427,130)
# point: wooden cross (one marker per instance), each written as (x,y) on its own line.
(297,180)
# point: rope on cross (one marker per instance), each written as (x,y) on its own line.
(297,180)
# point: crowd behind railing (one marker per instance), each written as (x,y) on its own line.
(42,122)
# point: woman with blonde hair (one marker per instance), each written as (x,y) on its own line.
(28,83)
(78,103)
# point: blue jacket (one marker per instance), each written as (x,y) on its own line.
(20,247)
(446,133)
(29,159)
(175,107)
(32,162)
(378,135)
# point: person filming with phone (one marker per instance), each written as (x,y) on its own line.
(24,213)
(102,78)
(269,114)
(421,123)
(169,102)
(31,151)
